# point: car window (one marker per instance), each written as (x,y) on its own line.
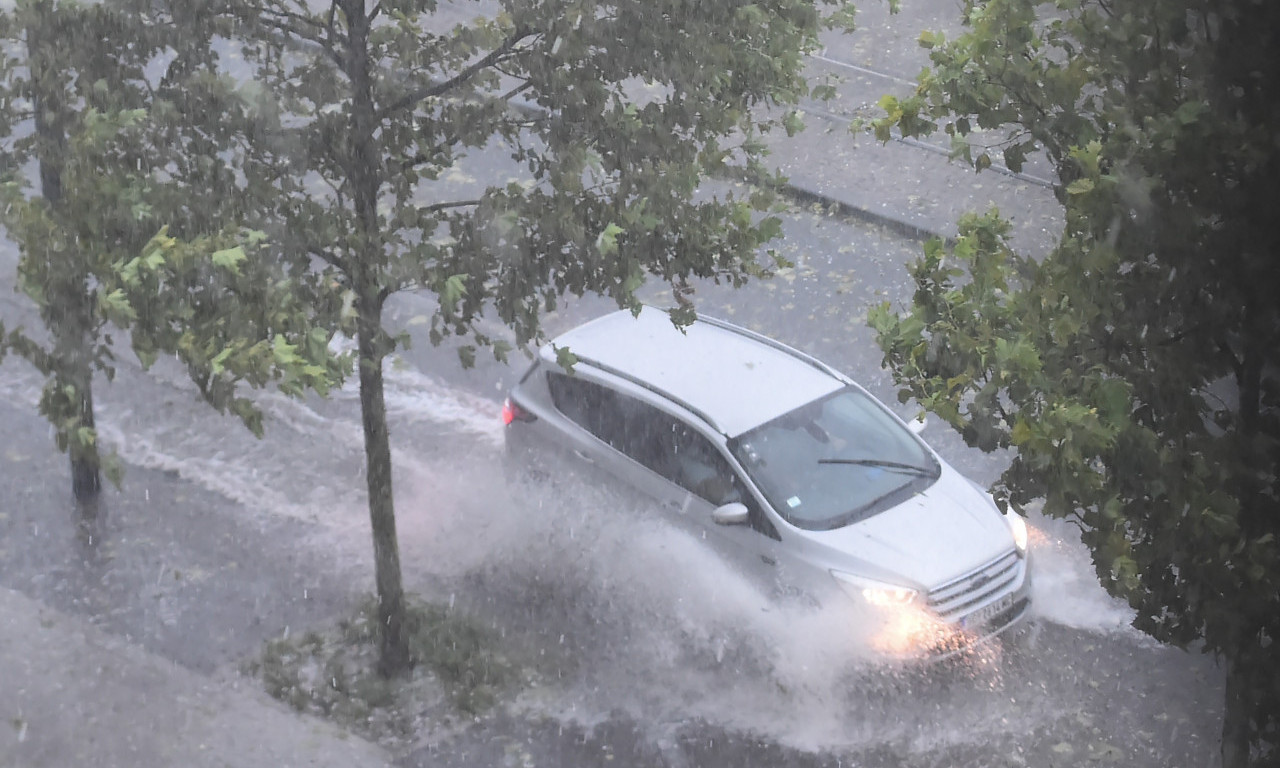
(834,461)
(661,442)
(617,419)
(592,406)
(693,463)
(646,434)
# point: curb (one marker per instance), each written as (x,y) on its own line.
(797,194)
(842,208)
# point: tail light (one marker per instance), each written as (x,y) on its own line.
(511,411)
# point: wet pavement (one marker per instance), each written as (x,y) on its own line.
(166,564)
(180,584)
(75,695)
(120,637)
(220,541)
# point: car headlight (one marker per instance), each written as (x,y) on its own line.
(1019,528)
(872,591)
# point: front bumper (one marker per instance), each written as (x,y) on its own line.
(924,634)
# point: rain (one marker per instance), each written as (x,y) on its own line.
(219,607)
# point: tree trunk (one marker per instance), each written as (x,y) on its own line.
(1235,717)
(1242,668)
(70,325)
(71,333)
(394,649)
(365,181)
(86,476)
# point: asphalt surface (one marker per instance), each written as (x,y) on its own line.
(220,541)
(121,642)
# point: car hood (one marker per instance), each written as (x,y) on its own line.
(933,537)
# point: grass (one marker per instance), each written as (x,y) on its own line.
(458,668)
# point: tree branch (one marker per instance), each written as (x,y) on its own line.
(514,92)
(325,45)
(331,259)
(444,206)
(421,94)
(377,8)
(286,16)
(452,138)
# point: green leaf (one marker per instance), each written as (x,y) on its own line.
(823,92)
(1189,112)
(218,360)
(607,240)
(793,122)
(1080,186)
(285,354)
(501,350)
(566,359)
(455,289)
(229,258)
(1113,399)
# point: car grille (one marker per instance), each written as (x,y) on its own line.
(954,599)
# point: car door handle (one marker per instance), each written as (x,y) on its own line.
(768,560)
(583,456)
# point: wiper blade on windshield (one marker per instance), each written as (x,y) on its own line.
(924,471)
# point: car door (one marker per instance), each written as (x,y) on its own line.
(672,463)
(691,477)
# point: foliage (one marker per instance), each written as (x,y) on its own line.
(98,100)
(611,114)
(1136,368)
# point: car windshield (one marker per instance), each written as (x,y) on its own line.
(835,461)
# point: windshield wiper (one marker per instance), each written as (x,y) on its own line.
(923,471)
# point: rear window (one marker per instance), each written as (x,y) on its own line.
(654,438)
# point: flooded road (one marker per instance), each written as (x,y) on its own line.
(643,648)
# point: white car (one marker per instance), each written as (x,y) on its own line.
(787,465)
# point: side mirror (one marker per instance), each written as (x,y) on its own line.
(733,513)
(917,425)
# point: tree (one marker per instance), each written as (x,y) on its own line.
(108,101)
(616,112)
(59,283)
(1135,369)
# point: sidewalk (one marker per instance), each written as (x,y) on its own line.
(75,696)
(914,190)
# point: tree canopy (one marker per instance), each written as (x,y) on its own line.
(107,107)
(293,157)
(1135,369)
(614,113)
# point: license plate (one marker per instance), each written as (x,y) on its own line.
(986,613)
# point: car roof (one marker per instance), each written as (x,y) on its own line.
(732,377)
